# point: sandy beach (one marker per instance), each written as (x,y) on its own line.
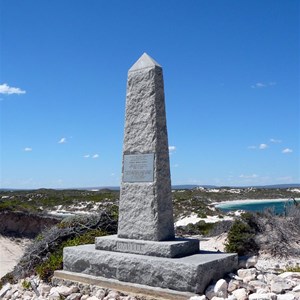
(217,204)
(11,250)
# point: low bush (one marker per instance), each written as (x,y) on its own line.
(241,238)
(44,255)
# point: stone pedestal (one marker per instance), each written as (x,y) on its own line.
(190,274)
(179,247)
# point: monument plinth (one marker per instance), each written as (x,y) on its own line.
(145,250)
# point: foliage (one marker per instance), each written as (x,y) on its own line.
(48,199)
(199,228)
(55,261)
(241,236)
(26,284)
(44,255)
(293,269)
(279,235)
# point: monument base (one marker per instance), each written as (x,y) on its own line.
(187,274)
(142,291)
(178,247)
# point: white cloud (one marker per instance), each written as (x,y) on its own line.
(8,90)
(276,141)
(248,176)
(263,146)
(252,147)
(86,156)
(260,85)
(27,149)
(95,155)
(62,140)
(287,150)
(172,149)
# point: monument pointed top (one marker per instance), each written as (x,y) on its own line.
(145,61)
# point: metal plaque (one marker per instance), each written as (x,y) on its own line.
(138,167)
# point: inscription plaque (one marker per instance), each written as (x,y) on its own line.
(138,167)
(131,247)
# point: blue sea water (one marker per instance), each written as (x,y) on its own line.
(278,205)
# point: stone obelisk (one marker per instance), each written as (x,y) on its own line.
(145,210)
(145,251)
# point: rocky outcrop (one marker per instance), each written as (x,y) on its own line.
(25,224)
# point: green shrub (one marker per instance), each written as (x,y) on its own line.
(241,236)
(293,269)
(26,284)
(55,260)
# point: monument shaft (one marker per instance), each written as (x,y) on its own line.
(145,210)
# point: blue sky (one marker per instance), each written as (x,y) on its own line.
(231,71)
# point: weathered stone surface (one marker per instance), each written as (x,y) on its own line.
(5,289)
(202,297)
(246,272)
(279,285)
(191,273)
(296,288)
(210,293)
(240,294)
(256,296)
(178,248)
(145,210)
(74,296)
(286,297)
(233,285)
(220,288)
(257,284)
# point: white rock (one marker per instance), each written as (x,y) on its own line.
(249,278)
(240,294)
(261,277)
(202,297)
(44,289)
(218,298)
(100,293)
(209,293)
(289,275)
(246,272)
(285,297)
(84,297)
(280,285)
(220,288)
(269,277)
(231,297)
(5,289)
(92,298)
(251,261)
(233,285)
(234,276)
(28,293)
(74,296)
(54,295)
(296,288)
(66,291)
(263,291)
(112,295)
(256,296)
(257,284)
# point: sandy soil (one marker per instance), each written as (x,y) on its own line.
(11,250)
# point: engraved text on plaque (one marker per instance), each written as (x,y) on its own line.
(138,167)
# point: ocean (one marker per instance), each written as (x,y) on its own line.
(278,205)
